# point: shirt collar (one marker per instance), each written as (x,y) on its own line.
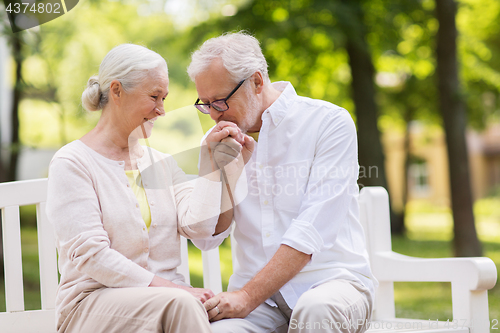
(278,110)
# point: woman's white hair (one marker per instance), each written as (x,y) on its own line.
(240,53)
(128,63)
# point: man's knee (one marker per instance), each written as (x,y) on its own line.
(310,304)
(341,311)
(233,325)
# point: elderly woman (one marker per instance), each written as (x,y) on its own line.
(118,208)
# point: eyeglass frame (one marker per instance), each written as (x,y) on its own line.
(200,106)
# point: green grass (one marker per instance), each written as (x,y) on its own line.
(429,235)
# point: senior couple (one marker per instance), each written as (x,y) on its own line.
(119,208)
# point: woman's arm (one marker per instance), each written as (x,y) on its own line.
(199,201)
(73,208)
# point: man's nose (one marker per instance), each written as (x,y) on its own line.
(215,115)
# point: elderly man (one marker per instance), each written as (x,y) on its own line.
(301,264)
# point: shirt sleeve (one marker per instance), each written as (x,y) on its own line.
(211,242)
(332,184)
(73,208)
(198,204)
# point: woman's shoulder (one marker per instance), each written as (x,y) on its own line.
(75,153)
(71,150)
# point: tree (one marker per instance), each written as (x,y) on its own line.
(453,111)
(8,169)
(363,93)
(16,44)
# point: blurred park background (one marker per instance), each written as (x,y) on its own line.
(420,78)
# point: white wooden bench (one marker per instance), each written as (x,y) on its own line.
(470,278)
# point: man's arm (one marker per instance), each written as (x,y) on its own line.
(282,267)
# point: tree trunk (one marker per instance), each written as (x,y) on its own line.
(453,112)
(408,116)
(371,155)
(15,144)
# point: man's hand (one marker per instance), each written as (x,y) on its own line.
(235,304)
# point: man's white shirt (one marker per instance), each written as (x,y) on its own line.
(300,190)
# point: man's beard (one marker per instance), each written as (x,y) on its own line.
(251,112)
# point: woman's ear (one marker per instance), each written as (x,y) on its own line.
(116,91)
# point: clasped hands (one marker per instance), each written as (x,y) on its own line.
(234,304)
(226,148)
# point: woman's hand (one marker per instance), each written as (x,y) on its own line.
(200,293)
(223,130)
(232,156)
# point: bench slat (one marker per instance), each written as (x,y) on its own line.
(47,258)
(211,270)
(39,321)
(184,266)
(23,192)
(11,232)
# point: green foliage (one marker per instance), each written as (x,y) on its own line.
(69,50)
(303,41)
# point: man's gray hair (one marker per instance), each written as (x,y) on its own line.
(240,53)
(128,63)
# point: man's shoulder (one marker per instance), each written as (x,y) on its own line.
(319,110)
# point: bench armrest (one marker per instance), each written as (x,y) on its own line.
(470,279)
(475,273)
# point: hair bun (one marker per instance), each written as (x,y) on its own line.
(91,97)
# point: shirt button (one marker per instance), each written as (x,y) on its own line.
(145,185)
(143,228)
(261,166)
(152,203)
(121,163)
(146,250)
(128,185)
(266,202)
(154,225)
(137,205)
(268,234)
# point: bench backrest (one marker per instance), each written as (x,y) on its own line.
(12,196)
(469,299)
(20,193)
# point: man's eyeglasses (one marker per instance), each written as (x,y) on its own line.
(219,105)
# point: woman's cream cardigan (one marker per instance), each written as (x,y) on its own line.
(101,237)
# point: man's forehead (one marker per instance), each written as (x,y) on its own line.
(213,81)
